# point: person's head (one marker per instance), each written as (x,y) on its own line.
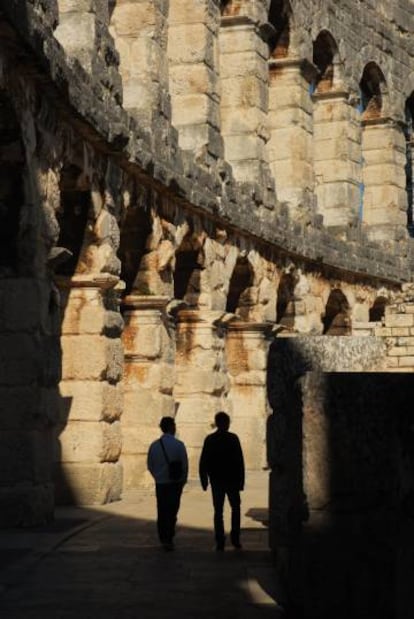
(167,425)
(222,421)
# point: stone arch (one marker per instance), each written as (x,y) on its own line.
(136,227)
(336,320)
(241,281)
(285,306)
(11,186)
(377,311)
(373,90)
(187,272)
(325,52)
(72,216)
(280,13)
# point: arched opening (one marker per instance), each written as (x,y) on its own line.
(11,187)
(136,227)
(336,320)
(377,311)
(324,52)
(409,166)
(373,88)
(285,306)
(383,207)
(241,280)
(72,216)
(187,272)
(279,16)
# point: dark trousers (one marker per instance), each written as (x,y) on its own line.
(168,504)
(219,492)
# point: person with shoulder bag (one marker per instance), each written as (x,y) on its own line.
(168,464)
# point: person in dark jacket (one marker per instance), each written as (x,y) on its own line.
(222,463)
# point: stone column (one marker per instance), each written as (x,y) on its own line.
(149,348)
(410,180)
(29,374)
(337,157)
(76,31)
(246,353)
(88,444)
(290,148)
(139,28)
(202,383)
(244,97)
(384,181)
(193,73)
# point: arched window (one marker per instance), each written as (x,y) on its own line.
(377,311)
(383,191)
(285,306)
(187,273)
(72,216)
(12,161)
(241,280)
(135,229)
(279,16)
(324,52)
(373,88)
(337,314)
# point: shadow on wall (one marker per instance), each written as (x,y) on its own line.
(341,450)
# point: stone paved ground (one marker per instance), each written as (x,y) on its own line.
(106,563)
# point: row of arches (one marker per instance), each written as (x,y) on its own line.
(297,121)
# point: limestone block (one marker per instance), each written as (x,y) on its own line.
(381,174)
(135,472)
(16,313)
(81,316)
(244,92)
(193,434)
(145,406)
(89,484)
(76,35)
(142,338)
(191,79)
(244,63)
(25,455)
(406,362)
(238,40)
(137,439)
(192,109)
(135,19)
(190,44)
(158,377)
(90,401)
(20,359)
(20,408)
(90,442)
(79,6)
(194,380)
(241,147)
(399,320)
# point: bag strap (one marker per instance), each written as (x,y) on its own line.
(165,453)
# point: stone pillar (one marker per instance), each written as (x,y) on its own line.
(88,444)
(337,157)
(139,28)
(202,383)
(290,147)
(193,73)
(29,374)
(149,379)
(384,181)
(410,180)
(246,353)
(244,97)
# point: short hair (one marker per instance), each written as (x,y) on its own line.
(167,424)
(222,420)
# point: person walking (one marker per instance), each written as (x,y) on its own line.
(222,463)
(168,464)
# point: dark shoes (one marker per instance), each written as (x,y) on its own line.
(237,545)
(168,546)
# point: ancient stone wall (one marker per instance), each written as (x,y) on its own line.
(207,178)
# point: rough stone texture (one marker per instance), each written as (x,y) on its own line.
(244,160)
